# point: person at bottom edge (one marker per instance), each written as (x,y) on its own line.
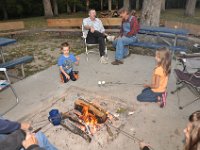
(153,92)
(16,136)
(66,62)
(192,134)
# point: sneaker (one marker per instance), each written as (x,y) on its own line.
(110,38)
(117,62)
(103,60)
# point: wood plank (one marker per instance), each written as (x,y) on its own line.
(77,22)
(193,28)
(111,21)
(17,25)
(62,30)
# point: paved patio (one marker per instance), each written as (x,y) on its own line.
(162,128)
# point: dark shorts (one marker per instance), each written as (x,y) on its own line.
(148,95)
(65,80)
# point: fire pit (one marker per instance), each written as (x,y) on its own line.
(86,115)
(86,119)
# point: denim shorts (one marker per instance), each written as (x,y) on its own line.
(148,95)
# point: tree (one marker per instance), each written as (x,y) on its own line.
(68,7)
(137,4)
(190,7)
(55,7)
(101,4)
(109,5)
(151,12)
(47,8)
(163,5)
(3,7)
(87,5)
(126,3)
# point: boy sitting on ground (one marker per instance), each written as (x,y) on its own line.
(65,63)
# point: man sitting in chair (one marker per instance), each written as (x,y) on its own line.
(129,29)
(95,33)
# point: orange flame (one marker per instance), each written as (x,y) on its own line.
(89,118)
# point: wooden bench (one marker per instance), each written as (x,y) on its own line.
(12,28)
(112,25)
(19,61)
(75,24)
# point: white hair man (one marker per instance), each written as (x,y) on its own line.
(95,33)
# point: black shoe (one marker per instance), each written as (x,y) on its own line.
(117,62)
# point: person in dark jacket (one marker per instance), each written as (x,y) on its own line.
(13,135)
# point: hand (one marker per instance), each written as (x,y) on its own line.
(77,58)
(25,126)
(142,145)
(67,76)
(146,85)
(29,140)
(92,29)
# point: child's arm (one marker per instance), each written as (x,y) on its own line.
(155,83)
(66,75)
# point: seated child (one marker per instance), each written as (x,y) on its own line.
(65,63)
(153,92)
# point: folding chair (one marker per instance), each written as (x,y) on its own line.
(86,45)
(4,84)
(190,80)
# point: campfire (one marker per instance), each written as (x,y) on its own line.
(85,119)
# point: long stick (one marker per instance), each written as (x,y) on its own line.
(128,135)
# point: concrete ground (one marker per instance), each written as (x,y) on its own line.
(162,128)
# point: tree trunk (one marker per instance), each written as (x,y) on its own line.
(87,5)
(151,12)
(68,7)
(190,7)
(163,5)
(5,13)
(74,7)
(126,4)
(55,7)
(101,5)
(109,5)
(137,4)
(47,8)
(117,5)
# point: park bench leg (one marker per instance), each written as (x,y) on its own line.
(22,68)
(1,51)
(14,92)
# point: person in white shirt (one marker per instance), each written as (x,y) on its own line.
(95,33)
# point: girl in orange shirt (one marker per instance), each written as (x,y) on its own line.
(153,92)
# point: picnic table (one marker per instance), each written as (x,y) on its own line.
(5,42)
(163,33)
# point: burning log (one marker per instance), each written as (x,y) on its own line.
(90,112)
(76,130)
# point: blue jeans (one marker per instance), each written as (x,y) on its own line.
(44,142)
(121,46)
(148,95)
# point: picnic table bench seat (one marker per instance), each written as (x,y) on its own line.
(18,61)
(15,62)
(157,45)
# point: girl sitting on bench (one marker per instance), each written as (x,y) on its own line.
(154,92)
